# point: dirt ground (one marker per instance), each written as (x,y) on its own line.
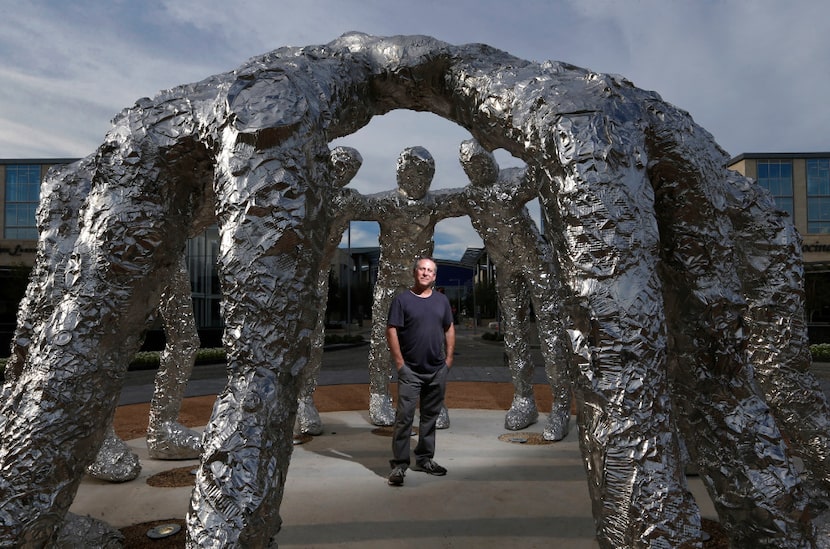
(131,422)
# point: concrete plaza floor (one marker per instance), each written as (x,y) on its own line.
(499,492)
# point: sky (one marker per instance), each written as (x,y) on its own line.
(754,73)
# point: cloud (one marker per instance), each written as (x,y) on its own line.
(752,73)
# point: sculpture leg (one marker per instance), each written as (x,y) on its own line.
(515,306)
(381,411)
(548,298)
(308,418)
(557,356)
(623,407)
(773,281)
(58,410)
(272,241)
(166,437)
(729,430)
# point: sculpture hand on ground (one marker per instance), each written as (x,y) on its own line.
(632,187)
(343,205)
(58,226)
(167,438)
(527,272)
(407,218)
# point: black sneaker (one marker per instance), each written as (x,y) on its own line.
(430,467)
(396,476)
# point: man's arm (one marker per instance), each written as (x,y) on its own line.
(395,346)
(449,337)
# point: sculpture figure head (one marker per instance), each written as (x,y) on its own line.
(345,162)
(415,170)
(479,164)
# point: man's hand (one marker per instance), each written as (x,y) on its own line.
(449,337)
(394,346)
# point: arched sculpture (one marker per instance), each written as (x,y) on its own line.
(634,192)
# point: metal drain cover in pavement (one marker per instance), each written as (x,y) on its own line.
(163,531)
(524,438)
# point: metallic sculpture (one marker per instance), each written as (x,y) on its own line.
(407,217)
(59,228)
(527,271)
(62,195)
(633,190)
(167,438)
(343,204)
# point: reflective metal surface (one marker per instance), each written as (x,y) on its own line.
(635,201)
(166,437)
(528,273)
(343,204)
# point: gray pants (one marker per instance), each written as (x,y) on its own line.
(430,389)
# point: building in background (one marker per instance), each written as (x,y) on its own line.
(800,185)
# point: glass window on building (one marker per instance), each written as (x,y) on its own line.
(777,177)
(202,258)
(818,195)
(22,196)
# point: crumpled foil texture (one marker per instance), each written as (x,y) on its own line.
(343,204)
(527,272)
(634,198)
(166,437)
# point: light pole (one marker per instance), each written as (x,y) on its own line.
(349,281)
(457,295)
(475,305)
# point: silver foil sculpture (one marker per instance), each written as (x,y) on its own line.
(167,438)
(527,272)
(343,204)
(407,217)
(61,198)
(59,228)
(652,259)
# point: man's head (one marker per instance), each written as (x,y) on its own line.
(416,168)
(424,272)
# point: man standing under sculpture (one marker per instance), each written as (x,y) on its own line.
(421,338)
(407,217)
(527,272)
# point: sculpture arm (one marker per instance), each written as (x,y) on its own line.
(450,202)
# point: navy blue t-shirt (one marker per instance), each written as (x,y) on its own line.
(421,324)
